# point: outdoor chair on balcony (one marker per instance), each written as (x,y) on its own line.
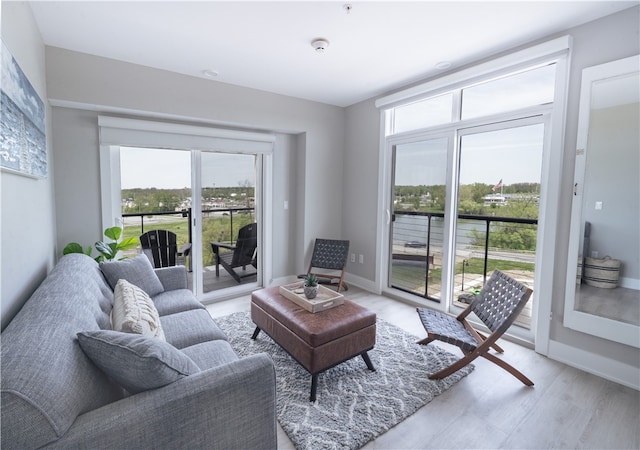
(328,262)
(241,255)
(160,247)
(501,300)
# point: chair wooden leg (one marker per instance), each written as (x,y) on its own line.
(425,341)
(494,346)
(459,364)
(509,368)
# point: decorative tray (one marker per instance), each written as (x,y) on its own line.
(326,298)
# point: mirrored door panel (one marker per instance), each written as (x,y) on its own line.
(604,296)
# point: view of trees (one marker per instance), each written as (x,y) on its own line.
(520,201)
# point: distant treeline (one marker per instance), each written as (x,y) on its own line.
(522,199)
(150,200)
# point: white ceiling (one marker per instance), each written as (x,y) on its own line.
(375,48)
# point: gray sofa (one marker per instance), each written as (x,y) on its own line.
(54,396)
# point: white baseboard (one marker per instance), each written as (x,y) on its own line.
(629,283)
(362,283)
(599,365)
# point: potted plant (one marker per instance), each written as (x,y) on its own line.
(107,250)
(310,286)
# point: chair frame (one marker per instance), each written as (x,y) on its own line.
(498,305)
(238,255)
(336,262)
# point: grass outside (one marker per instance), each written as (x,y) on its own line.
(413,277)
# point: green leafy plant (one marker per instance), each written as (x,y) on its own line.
(311,280)
(107,250)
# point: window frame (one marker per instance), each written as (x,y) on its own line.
(115,132)
(556,51)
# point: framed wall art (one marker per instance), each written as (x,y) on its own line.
(23,141)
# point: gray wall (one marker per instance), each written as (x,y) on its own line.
(307,158)
(26,225)
(359,221)
(604,40)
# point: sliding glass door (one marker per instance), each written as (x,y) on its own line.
(498,198)
(462,205)
(229,226)
(418,216)
(157,187)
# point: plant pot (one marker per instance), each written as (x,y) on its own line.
(310,292)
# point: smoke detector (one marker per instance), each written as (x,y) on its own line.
(320,45)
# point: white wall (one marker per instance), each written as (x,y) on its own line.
(308,158)
(27,217)
(604,40)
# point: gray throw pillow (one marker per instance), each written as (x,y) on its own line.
(136,362)
(138,271)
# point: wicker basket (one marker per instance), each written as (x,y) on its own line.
(602,273)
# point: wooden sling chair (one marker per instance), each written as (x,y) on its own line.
(328,262)
(500,301)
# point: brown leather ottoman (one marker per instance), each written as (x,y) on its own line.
(318,341)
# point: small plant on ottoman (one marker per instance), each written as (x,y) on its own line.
(310,286)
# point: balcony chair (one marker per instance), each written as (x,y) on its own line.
(240,255)
(161,248)
(328,262)
(500,301)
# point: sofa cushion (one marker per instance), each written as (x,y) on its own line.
(136,362)
(210,354)
(198,322)
(137,270)
(175,301)
(134,312)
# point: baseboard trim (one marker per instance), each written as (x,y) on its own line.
(362,283)
(629,283)
(595,364)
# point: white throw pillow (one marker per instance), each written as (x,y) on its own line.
(134,312)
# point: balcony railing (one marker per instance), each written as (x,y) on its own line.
(228,222)
(483,243)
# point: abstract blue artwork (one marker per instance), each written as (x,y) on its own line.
(23,142)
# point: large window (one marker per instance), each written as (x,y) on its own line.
(468,161)
(200,183)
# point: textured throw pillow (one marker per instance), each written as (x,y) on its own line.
(138,271)
(134,312)
(137,363)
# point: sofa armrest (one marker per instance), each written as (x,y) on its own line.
(174,277)
(229,406)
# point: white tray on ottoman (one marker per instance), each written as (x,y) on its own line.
(326,298)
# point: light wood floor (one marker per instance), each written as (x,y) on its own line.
(566,409)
